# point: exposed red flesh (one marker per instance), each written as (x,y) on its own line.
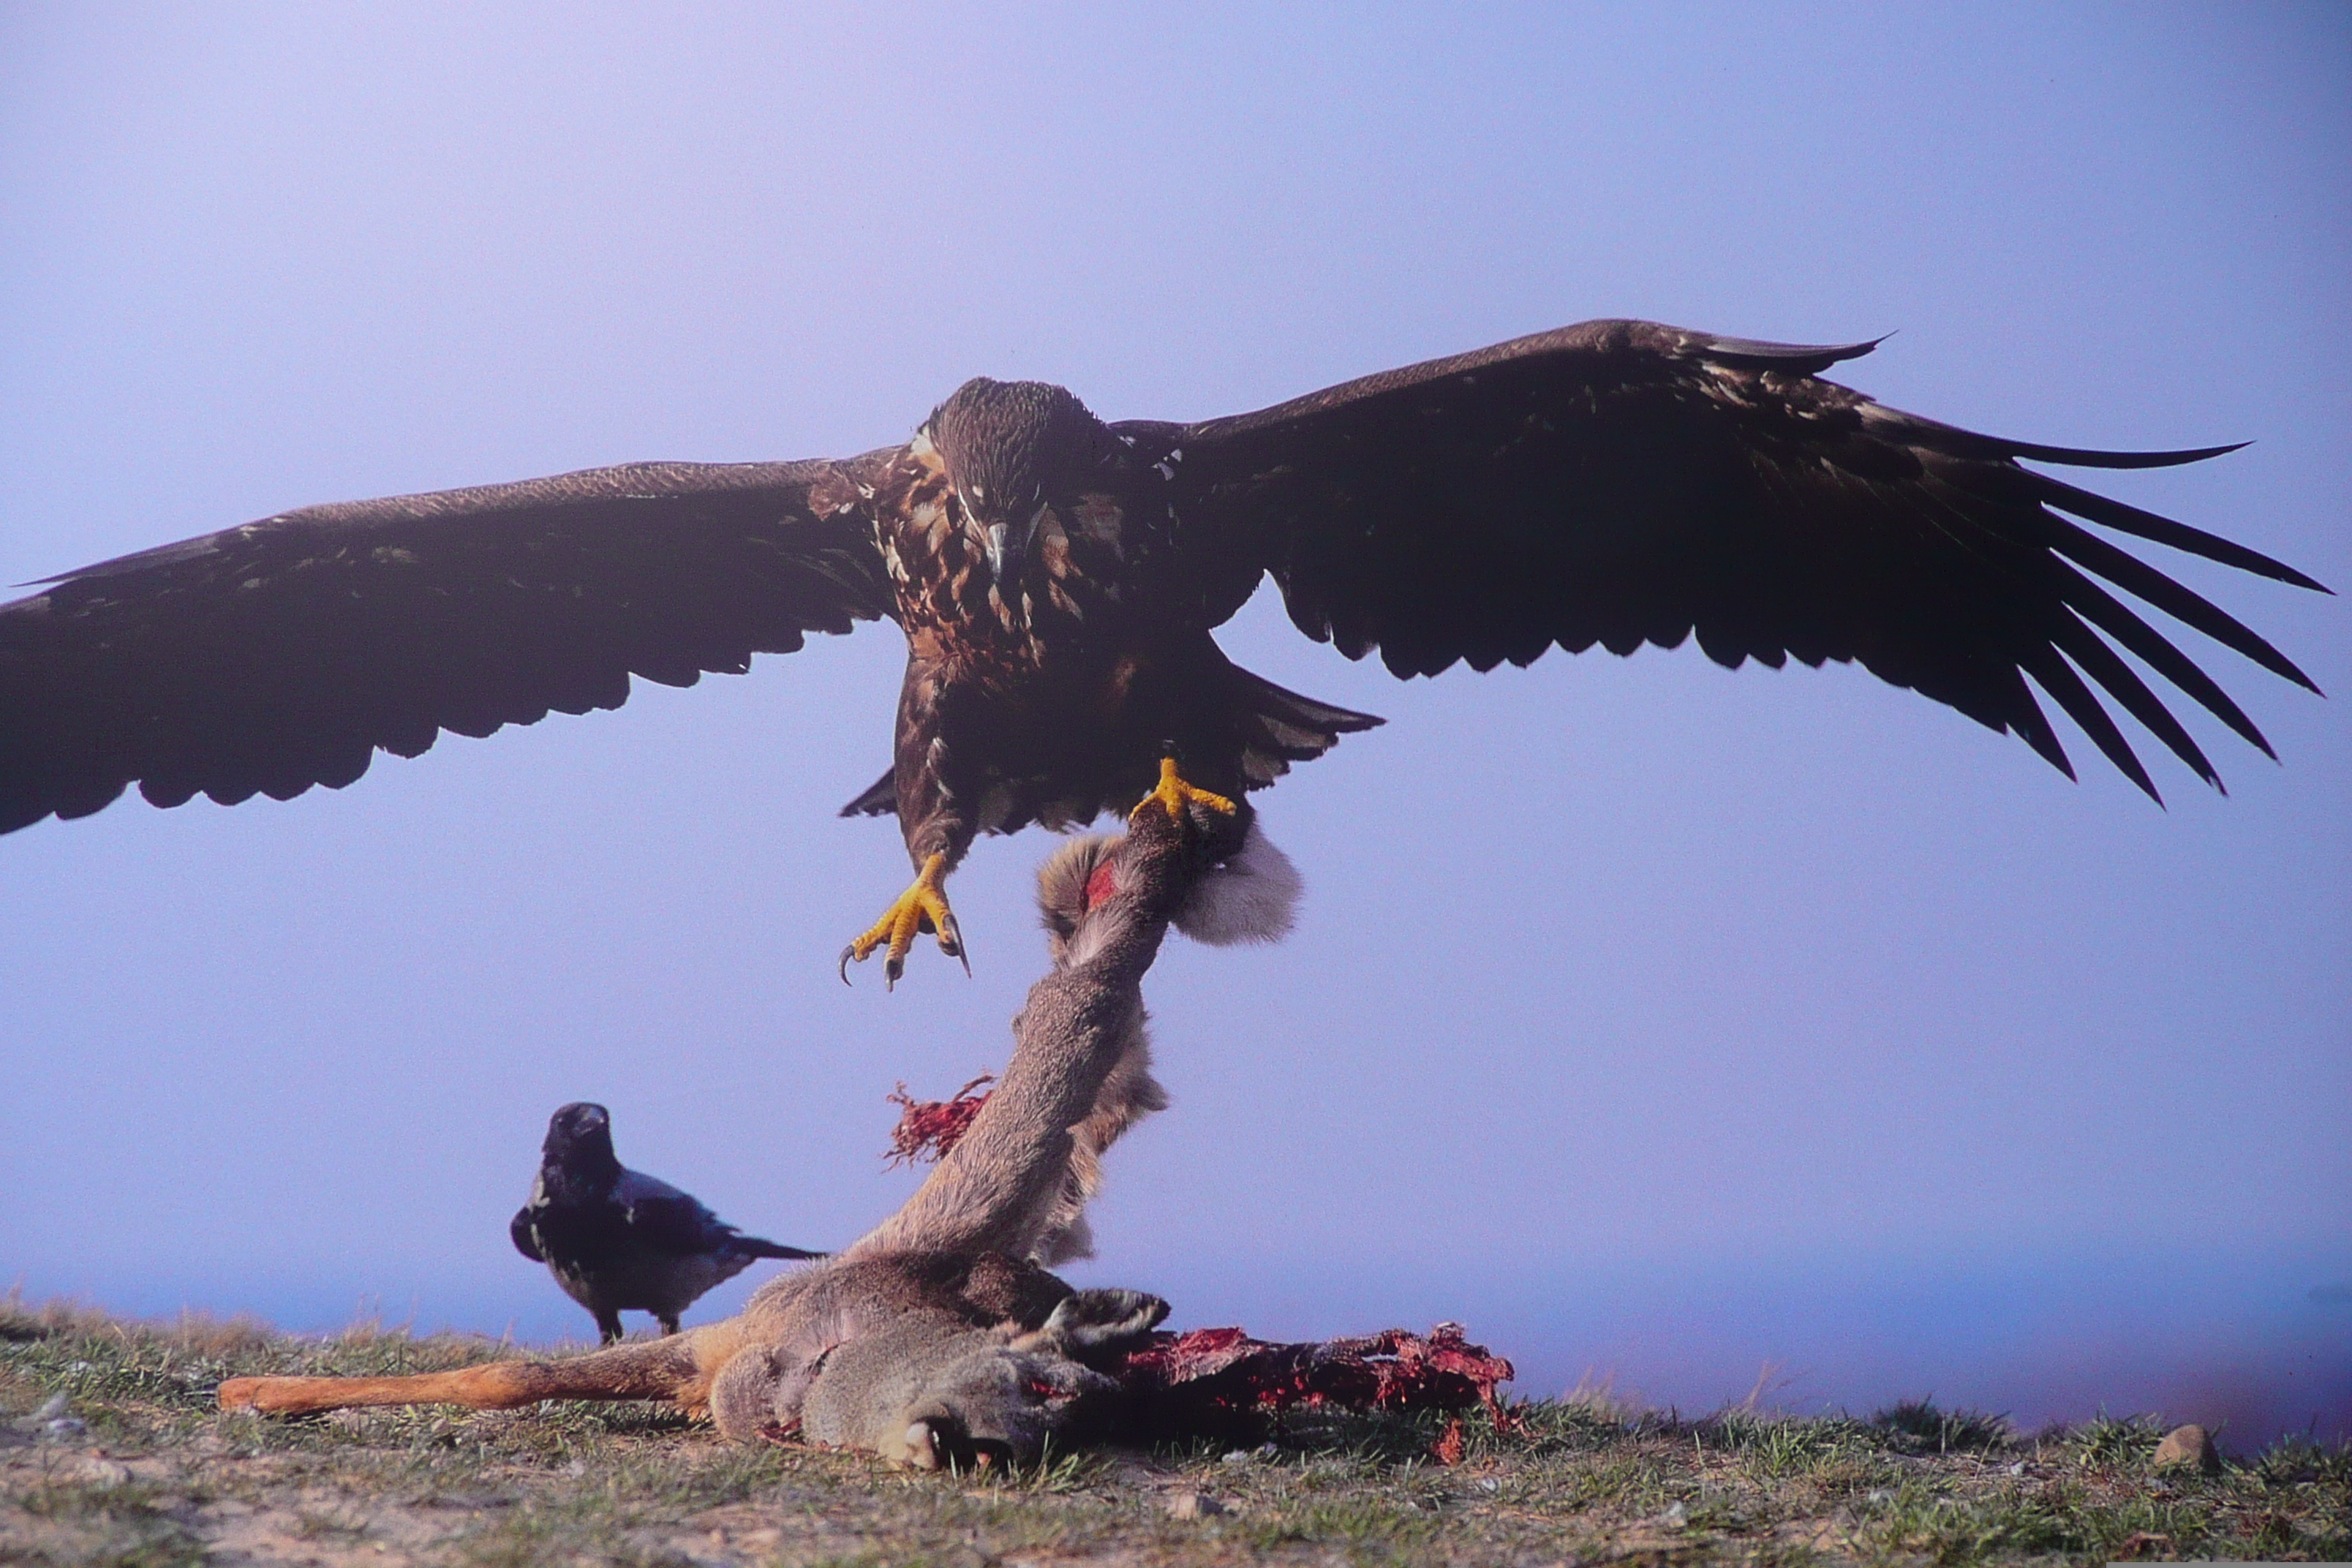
(1196,1378)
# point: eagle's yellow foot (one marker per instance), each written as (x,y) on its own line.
(1176,794)
(921,907)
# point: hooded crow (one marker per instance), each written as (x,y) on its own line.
(618,1240)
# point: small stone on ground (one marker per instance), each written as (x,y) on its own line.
(2188,1447)
(1193,1505)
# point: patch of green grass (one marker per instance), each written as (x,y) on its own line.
(2298,1461)
(2110,1443)
(1916,1426)
(1367,1530)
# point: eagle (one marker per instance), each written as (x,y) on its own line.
(1058,579)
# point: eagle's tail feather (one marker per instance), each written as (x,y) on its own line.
(880,799)
(1276,727)
(1279,727)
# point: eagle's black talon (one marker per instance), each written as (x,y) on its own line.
(921,910)
(847,954)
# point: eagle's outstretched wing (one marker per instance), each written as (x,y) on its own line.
(1622,482)
(266,658)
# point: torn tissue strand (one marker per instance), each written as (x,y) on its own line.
(927,1129)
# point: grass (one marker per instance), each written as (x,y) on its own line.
(158,1476)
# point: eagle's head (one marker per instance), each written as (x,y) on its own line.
(1015,451)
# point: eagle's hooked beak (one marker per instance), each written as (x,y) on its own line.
(1006,544)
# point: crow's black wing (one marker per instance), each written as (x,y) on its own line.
(525,1235)
(1622,482)
(667,1219)
(672,1221)
(678,1225)
(266,658)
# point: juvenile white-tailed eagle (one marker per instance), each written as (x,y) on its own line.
(1057,580)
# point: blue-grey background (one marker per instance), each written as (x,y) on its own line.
(1671,1026)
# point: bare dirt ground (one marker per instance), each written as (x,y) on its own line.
(111,1452)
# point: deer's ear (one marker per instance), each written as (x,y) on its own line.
(1095,1320)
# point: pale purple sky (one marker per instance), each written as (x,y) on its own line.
(1617,977)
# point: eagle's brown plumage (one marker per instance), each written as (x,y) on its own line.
(1057,580)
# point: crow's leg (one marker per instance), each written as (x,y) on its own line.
(668,1321)
(608,1325)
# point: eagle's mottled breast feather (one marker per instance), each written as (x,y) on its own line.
(1061,611)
